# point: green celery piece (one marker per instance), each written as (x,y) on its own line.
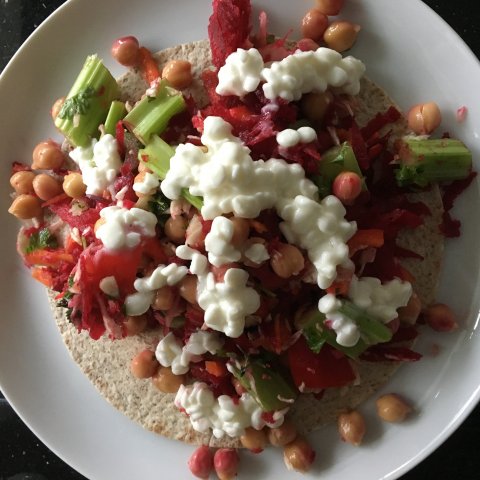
(156,156)
(115,114)
(271,389)
(87,103)
(316,335)
(336,160)
(151,114)
(426,161)
(372,330)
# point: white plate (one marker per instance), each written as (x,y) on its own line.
(408,50)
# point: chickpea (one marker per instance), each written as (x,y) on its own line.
(241,230)
(283,435)
(307,45)
(440,318)
(56,107)
(143,167)
(410,312)
(201,462)
(140,179)
(424,118)
(352,427)
(347,186)
(330,7)
(166,381)
(73,185)
(178,73)
(298,455)
(315,106)
(392,408)
(46,187)
(135,324)
(98,224)
(164,298)
(47,156)
(341,36)
(287,260)
(226,462)
(125,50)
(254,440)
(22,181)
(144,364)
(314,24)
(175,229)
(188,289)
(26,206)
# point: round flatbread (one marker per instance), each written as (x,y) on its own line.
(106,363)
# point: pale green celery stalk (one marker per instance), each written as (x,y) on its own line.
(336,160)
(151,115)
(426,161)
(87,103)
(156,156)
(115,114)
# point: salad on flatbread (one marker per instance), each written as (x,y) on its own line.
(241,237)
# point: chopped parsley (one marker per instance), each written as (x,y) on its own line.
(41,239)
(77,105)
(159,206)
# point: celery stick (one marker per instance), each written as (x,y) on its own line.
(337,159)
(87,103)
(115,114)
(426,161)
(156,155)
(152,114)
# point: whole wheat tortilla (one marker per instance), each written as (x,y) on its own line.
(106,363)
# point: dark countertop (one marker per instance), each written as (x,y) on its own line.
(24,457)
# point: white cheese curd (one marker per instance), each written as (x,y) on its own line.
(257,253)
(377,299)
(231,182)
(321,229)
(312,71)
(99,163)
(289,137)
(241,73)
(124,228)
(227,303)
(170,353)
(139,302)
(148,185)
(222,415)
(347,331)
(218,243)
(199,262)
(109,286)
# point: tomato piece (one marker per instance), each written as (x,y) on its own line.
(216,368)
(42,275)
(121,264)
(48,258)
(318,370)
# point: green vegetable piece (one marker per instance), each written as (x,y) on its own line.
(156,156)
(317,335)
(115,114)
(151,115)
(426,161)
(40,240)
(337,159)
(270,387)
(87,103)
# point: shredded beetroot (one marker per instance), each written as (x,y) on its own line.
(382,353)
(404,334)
(218,385)
(85,219)
(450,227)
(20,167)
(228,28)
(380,121)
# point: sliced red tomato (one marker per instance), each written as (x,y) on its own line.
(318,370)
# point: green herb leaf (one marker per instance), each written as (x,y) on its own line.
(78,104)
(41,239)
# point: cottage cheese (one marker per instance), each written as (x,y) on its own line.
(289,137)
(124,228)
(149,184)
(99,163)
(170,353)
(222,415)
(218,243)
(139,302)
(109,286)
(290,78)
